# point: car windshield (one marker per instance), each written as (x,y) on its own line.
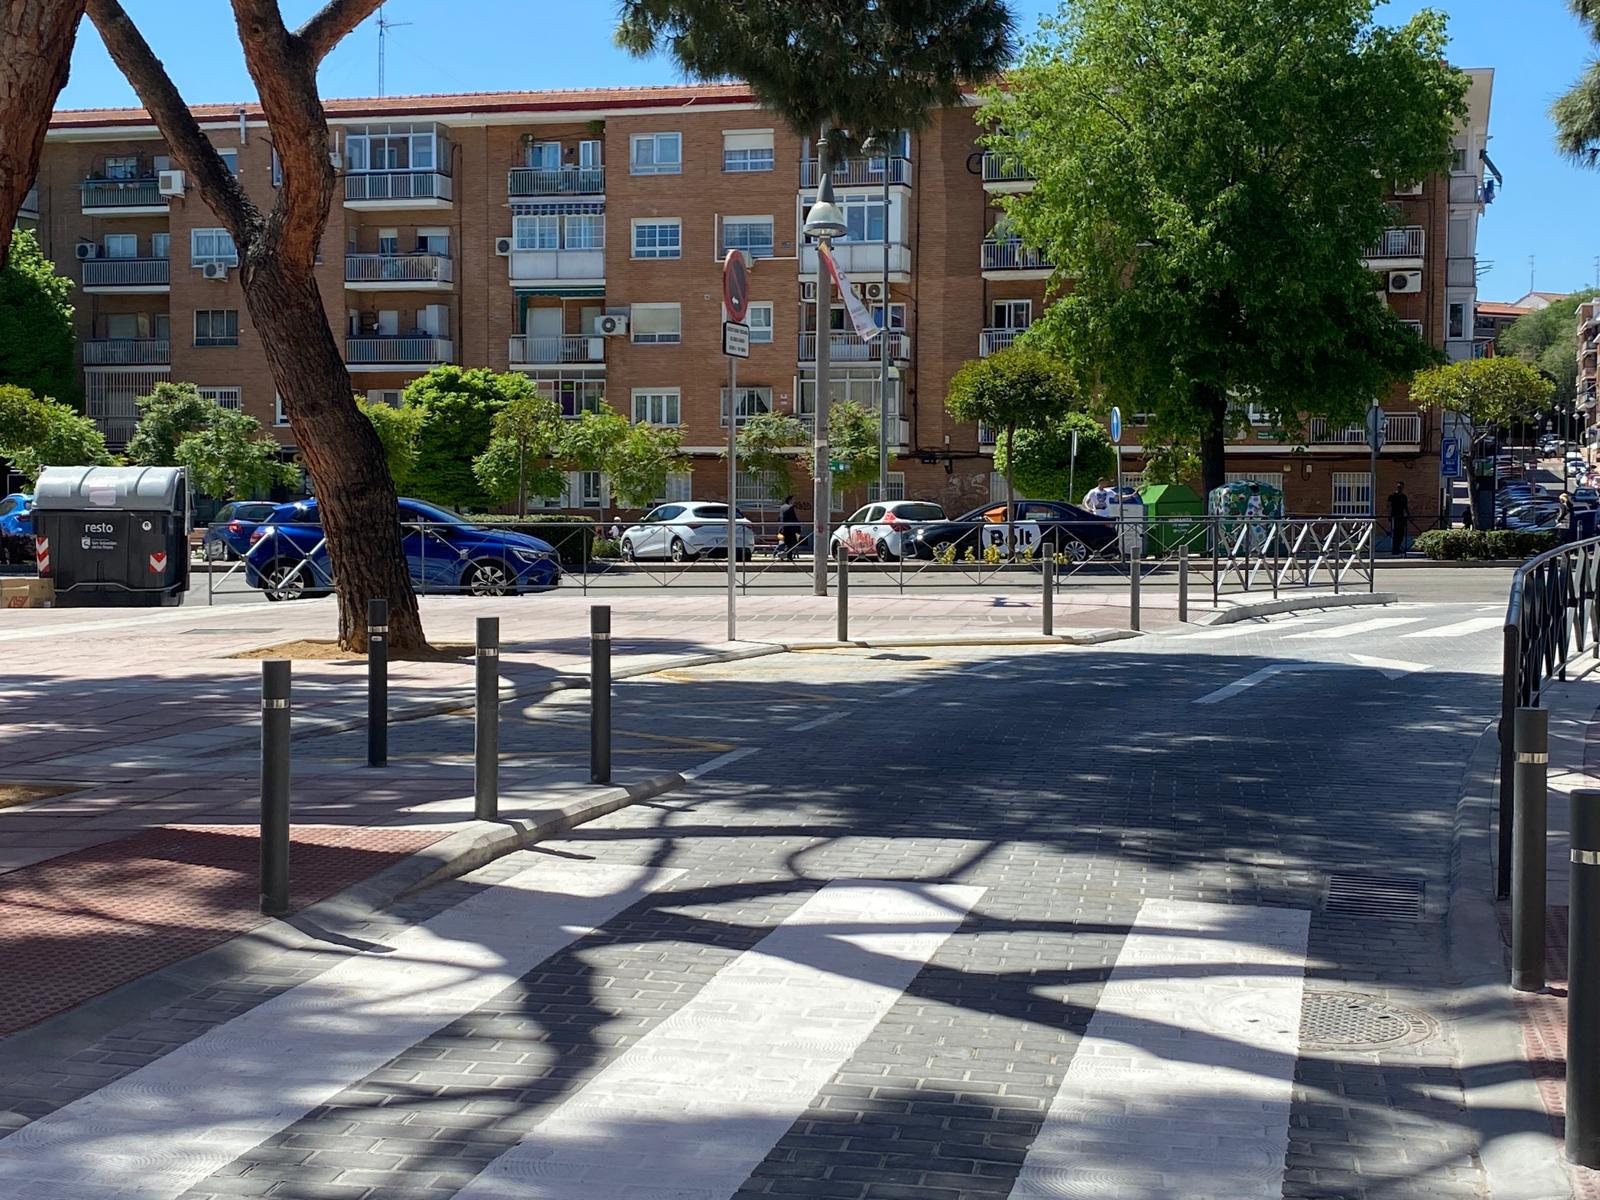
(919,512)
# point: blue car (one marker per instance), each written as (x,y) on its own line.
(16,528)
(228,535)
(444,551)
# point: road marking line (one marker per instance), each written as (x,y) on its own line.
(1344,631)
(905,691)
(1394,668)
(742,1060)
(1244,627)
(717,763)
(157,1132)
(829,719)
(1460,628)
(1249,681)
(1187,1066)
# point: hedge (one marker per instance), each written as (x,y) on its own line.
(1456,544)
(574,543)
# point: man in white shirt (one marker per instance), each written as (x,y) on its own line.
(1099,498)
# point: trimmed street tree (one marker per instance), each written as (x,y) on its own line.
(399,428)
(639,463)
(520,458)
(458,406)
(853,444)
(1209,177)
(168,413)
(231,457)
(36,340)
(36,39)
(1044,467)
(766,443)
(38,432)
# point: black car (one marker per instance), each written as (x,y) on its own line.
(1064,528)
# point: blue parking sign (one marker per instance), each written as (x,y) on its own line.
(1450,458)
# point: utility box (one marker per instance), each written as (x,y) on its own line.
(113,536)
(1177,518)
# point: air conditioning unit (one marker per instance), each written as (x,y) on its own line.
(808,291)
(502,246)
(170,183)
(86,250)
(1408,189)
(214,270)
(1405,282)
(611,325)
(874,291)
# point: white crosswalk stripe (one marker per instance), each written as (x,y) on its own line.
(1351,630)
(1459,629)
(1239,629)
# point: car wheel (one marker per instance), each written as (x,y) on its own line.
(944,546)
(1073,549)
(628,551)
(489,578)
(216,552)
(680,552)
(883,551)
(282,581)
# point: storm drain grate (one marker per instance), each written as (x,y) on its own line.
(1350,1020)
(226,632)
(1388,897)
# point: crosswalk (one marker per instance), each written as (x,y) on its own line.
(1338,624)
(1354,629)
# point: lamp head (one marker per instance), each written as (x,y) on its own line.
(824,220)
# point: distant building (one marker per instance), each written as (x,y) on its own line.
(1493,318)
(1540,299)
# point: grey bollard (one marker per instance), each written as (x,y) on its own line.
(1048,608)
(1532,733)
(275,788)
(600,694)
(1583,982)
(486,741)
(377,683)
(1133,590)
(1183,583)
(844,593)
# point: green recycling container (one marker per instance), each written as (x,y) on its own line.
(1177,517)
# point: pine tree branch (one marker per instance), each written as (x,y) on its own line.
(328,28)
(36,39)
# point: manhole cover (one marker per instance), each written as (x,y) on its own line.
(1352,1020)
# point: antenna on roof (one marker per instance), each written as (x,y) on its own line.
(384,25)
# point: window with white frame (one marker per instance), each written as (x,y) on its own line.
(212,246)
(586,489)
(655,154)
(659,238)
(759,318)
(280,414)
(897,488)
(753,487)
(658,406)
(230,159)
(745,150)
(1456,320)
(389,242)
(1352,493)
(753,235)
(752,400)
(585,231)
(393,397)
(859,384)
(536,231)
(223,397)
(680,487)
(120,245)
(216,327)
(160,245)
(420,146)
(865,216)
(655,324)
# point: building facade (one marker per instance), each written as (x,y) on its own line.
(577,237)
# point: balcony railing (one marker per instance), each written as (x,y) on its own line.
(1009,254)
(122,193)
(556,181)
(1403,429)
(1405,242)
(994,340)
(847,347)
(127,352)
(397,268)
(126,272)
(856,172)
(557,348)
(988,435)
(397,185)
(1003,170)
(408,350)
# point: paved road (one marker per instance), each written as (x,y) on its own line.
(950,924)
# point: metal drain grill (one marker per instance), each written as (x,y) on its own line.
(208,632)
(1350,1020)
(1388,897)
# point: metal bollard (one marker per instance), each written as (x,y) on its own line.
(1133,590)
(275,788)
(600,694)
(1048,609)
(1183,583)
(844,593)
(1583,982)
(486,741)
(377,683)
(1532,732)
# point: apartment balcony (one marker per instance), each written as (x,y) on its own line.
(996,339)
(398,273)
(1004,174)
(127,276)
(380,353)
(1399,247)
(523,182)
(1414,326)
(123,198)
(533,350)
(377,190)
(1465,189)
(848,348)
(1400,430)
(1008,258)
(864,260)
(576,272)
(857,172)
(111,397)
(1458,349)
(988,435)
(127,352)
(30,205)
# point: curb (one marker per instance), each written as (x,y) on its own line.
(317,927)
(1267,608)
(1089,637)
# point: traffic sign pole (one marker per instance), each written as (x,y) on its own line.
(736,299)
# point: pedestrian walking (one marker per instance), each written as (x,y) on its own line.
(1399,518)
(1099,498)
(1566,518)
(789,528)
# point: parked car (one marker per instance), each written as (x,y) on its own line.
(16,528)
(1538,515)
(1585,497)
(685,531)
(883,530)
(444,552)
(228,536)
(1063,528)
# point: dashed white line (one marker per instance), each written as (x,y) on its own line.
(820,721)
(905,691)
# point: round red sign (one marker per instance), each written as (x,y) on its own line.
(736,286)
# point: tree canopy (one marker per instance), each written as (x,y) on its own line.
(1576,112)
(38,432)
(230,456)
(636,459)
(1485,392)
(1044,468)
(1209,177)
(458,406)
(765,444)
(399,428)
(852,443)
(168,413)
(1548,338)
(36,340)
(521,458)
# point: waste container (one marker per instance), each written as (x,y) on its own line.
(1263,502)
(1177,518)
(113,536)
(1130,516)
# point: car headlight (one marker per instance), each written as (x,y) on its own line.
(530,556)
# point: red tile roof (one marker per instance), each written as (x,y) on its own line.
(1496,308)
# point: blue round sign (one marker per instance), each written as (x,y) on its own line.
(1116,425)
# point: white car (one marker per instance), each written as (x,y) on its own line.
(883,531)
(683,532)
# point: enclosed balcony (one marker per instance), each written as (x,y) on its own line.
(1001,174)
(529,349)
(858,172)
(140,197)
(524,182)
(862,260)
(1008,258)
(127,276)
(126,352)
(398,272)
(380,351)
(397,165)
(848,348)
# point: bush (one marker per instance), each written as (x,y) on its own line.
(575,543)
(1458,544)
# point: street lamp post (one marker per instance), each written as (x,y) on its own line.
(824,222)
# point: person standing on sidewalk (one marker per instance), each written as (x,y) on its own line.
(789,528)
(1098,498)
(1399,518)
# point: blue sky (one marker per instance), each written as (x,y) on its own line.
(1535,46)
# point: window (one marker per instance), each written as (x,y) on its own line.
(537,232)
(1458,158)
(658,407)
(745,150)
(120,245)
(124,166)
(400,147)
(864,215)
(859,384)
(656,323)
(586,490)
(277,169)
(1352,493)
(680,486)
(897,488)
(1011,314)
(656,154)
(393,397)
(658,239)
(585,231)
(752,400)
(544,155)
(230,159)
(589,152)
(754,487)
(216,327)
(160,245)
(212,245)
(759,318)
(433,240)
(753,235)
(280,414)
(223,397)
(1456,321)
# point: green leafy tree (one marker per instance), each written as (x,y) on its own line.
(640,462)
(22,416)
(1548,338)
(1576,112)
(1209,177)
(399,428)
(36,342)
(458,407)
(766,443)
(230,456)
(168,413)
(1045,468)
(1172,462)
(852,443)
(520,458)
(39,432)
(588,443)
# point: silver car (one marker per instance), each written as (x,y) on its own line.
(685,531)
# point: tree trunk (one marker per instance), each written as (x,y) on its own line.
(36,39)
(1213,440)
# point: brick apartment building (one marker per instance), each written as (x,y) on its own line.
(512,230)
